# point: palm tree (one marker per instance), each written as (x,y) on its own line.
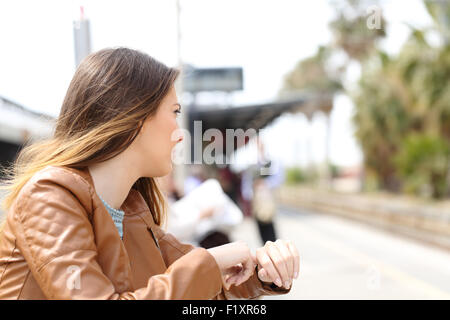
(350,30)
(401,96)
(312,75)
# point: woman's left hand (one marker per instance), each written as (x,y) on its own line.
(278,262)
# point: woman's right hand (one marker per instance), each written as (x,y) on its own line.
(235,262)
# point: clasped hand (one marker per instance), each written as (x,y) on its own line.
(276,262)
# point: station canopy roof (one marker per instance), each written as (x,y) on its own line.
(256,116)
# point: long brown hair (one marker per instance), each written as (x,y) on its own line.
(111,94)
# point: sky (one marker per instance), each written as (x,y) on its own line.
(266,37)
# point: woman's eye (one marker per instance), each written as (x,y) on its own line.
(177,111)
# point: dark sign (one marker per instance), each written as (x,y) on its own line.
(212,79)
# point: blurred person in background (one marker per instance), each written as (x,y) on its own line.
(195,178)
(183,224)
(259,184)
(230,183)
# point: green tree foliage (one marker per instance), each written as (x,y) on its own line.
(312,75)
(350,30)
(423,162)
(402,116)
(381,119)
(296,175)
(400,97)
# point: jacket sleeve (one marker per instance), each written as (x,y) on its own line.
(251,289)
(172,250)
(56,238)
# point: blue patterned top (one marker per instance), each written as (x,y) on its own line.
(117,216)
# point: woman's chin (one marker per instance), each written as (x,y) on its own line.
(160,172)
(167,169)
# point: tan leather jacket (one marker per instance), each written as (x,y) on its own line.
(59,242)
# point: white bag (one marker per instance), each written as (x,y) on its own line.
(209,194)
(263,204)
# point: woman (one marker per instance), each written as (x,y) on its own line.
(84,213)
